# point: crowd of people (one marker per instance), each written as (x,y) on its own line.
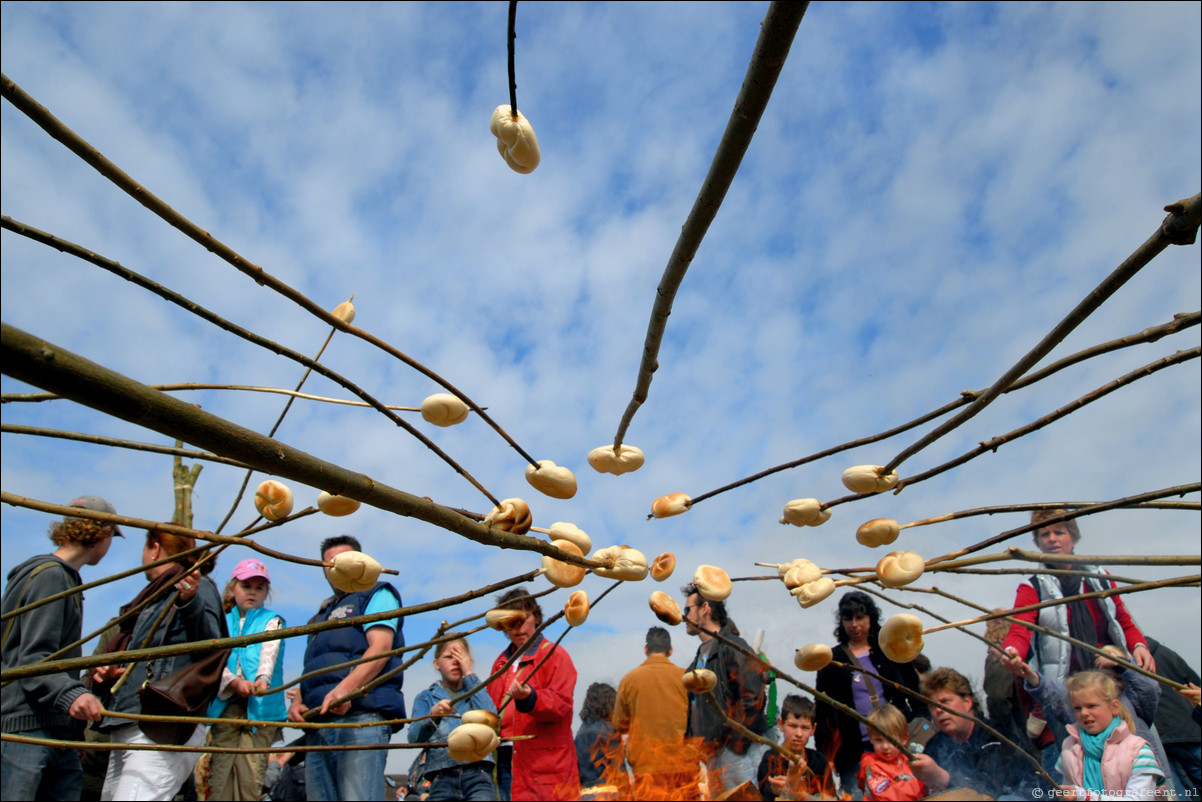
(1073,716)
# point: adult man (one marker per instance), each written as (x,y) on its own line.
(731,758)
(962,754)
(653,708)
(53,705)
(356,774)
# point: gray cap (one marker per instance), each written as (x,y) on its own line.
(97,504)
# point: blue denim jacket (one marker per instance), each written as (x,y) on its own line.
(434,730)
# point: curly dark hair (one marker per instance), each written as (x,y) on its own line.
(598,702)
(854,603)
(83,531)
(521,599)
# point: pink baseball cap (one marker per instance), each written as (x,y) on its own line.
(250,568)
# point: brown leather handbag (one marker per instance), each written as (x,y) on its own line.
(186,692)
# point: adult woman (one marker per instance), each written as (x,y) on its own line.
(858,622)
(537,703)
(1095,621)
(189,613)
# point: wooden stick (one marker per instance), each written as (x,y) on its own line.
(1152,334)
(203,313)
(179,386)
(771,49)
(38,362)
(1048,505)
(989,446)
(1098,594)
(81,148)
(228,750)
(1183,219)
(194,647)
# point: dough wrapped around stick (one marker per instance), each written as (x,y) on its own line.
(813,657)
(669,505)
(485,717)
(561,574)
(551,479)
(469,743)
(575,610)
(354,571)
(345,312)
(273,500)
(869,479)
(627,459)
(663,566)
(699,680)
(812,593)
(901,638)
(665,608)
(805,512)
(712,583)
(505,620)
(878,532)
(444,409)
(561,530)
(336,506)
(628,564)
(899,568)
(516,141)
(512,515)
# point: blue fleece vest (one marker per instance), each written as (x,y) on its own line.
(258,708)
(336,646)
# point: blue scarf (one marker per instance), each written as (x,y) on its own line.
(1094,745)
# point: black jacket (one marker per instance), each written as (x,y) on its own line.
(835,682)
(740,692)
(1175,720)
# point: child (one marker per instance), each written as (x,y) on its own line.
(885,771)
(451,779)
(806,776)
(1101,758)
(251,670)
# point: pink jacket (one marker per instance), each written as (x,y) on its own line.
(1117,758)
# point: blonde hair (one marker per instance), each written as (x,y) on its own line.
(1104,686)
(889,720)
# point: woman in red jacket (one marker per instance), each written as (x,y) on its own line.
(539,704)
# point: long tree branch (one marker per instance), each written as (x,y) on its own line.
(1178,228)
(1148,335)
(44,365)
(81,148)
(211,317)
(771,49)
(95,439)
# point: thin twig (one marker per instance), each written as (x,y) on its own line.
(1184,216)
(771,49)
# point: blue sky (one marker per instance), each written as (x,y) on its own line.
(931,188)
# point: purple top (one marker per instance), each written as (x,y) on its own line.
(862,692)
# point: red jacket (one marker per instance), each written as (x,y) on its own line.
(1019,636)
(544,767)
